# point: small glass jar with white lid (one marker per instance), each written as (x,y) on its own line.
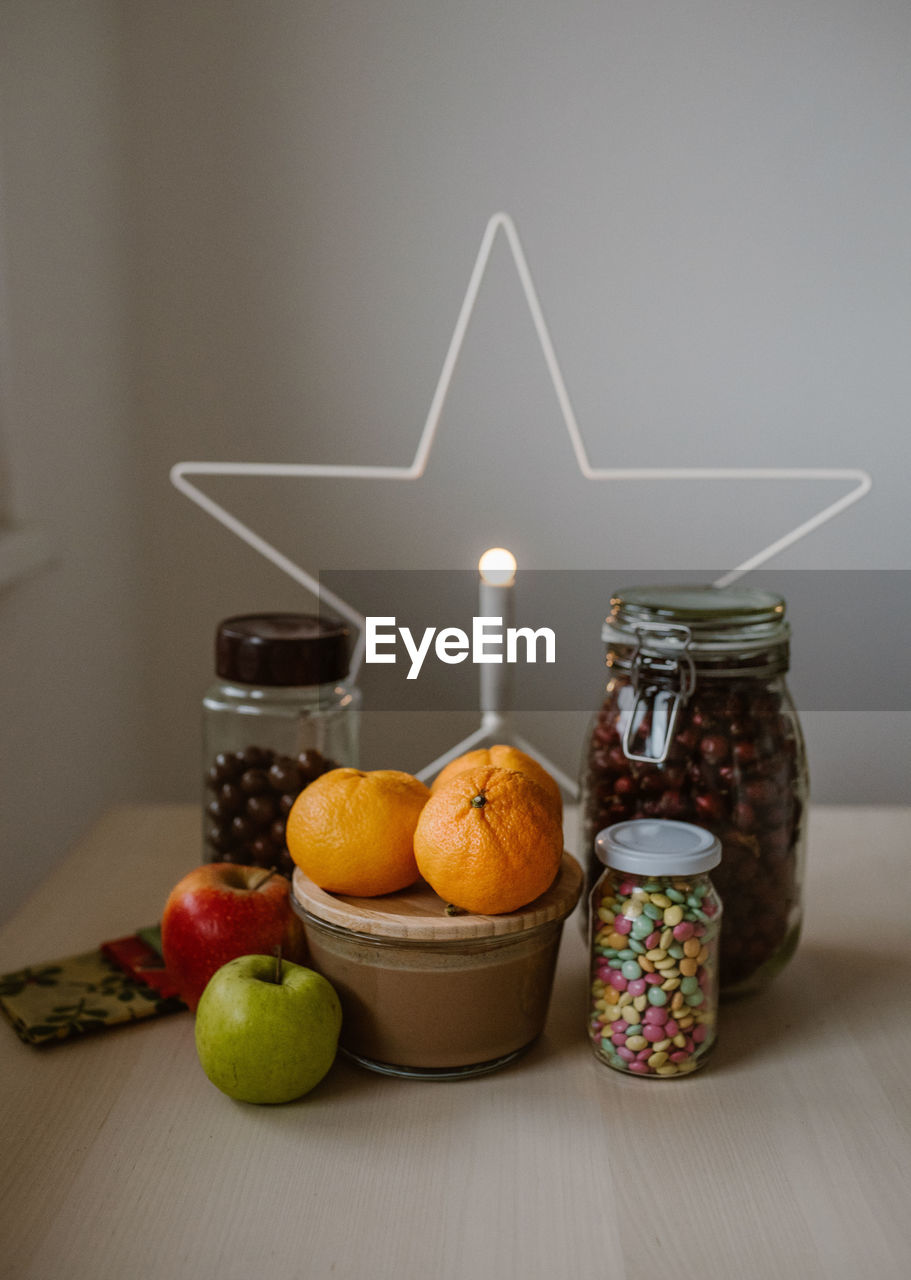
(655,924)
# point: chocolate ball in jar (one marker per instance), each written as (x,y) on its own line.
(282,712)
(698,725)
(247,812)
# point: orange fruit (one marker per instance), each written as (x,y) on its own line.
(353,832)
(503,757)
(489,840)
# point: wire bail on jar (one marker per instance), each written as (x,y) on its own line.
(656,674)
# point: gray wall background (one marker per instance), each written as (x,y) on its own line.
(243,231)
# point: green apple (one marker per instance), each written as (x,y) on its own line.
(265,1035)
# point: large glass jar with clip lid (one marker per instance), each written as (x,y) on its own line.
(697,724)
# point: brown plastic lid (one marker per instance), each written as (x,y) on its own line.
(282,649)
(417,914)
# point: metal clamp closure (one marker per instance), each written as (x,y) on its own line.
(661,672)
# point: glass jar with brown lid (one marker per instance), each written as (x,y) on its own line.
(282,711)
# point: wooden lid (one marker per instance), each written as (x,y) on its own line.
(418,914)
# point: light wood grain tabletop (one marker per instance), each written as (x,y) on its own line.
(788,1155)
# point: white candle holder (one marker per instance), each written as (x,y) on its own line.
(496,603)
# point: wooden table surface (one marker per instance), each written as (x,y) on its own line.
(789,1155)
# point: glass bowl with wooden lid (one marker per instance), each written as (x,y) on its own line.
(431,993)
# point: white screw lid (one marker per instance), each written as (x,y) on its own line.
(659,847)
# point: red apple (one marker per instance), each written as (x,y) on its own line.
(220,911)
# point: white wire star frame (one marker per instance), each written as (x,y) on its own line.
(860,481)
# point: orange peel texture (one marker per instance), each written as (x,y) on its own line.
(489,840)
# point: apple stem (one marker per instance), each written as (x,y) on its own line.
(278,964)
(273,871)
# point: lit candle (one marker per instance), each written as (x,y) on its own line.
(497,568)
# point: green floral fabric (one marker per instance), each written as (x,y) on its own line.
(67,997)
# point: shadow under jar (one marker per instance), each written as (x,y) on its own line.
(698,725)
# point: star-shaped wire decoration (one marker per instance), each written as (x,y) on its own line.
(181,472)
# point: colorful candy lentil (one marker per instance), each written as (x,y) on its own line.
(653,1011)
